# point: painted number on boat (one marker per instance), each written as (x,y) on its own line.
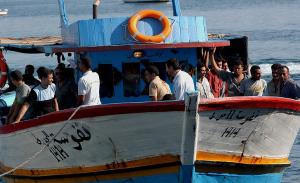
(241,115)
(74,137)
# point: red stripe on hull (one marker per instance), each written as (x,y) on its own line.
(114,109)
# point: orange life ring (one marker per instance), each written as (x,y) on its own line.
(134,32)
(3,70)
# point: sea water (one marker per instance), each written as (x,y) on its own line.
(273,28)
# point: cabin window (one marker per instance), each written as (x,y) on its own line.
(131,79)
(105,72)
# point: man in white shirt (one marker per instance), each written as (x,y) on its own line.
(88,85)
(254,86)
(182,82)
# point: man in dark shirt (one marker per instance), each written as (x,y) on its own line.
(289,89)
(28,77)
(41,99)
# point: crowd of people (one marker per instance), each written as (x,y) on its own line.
(57,90)
(220,81)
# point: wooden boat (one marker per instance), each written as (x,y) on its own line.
(129,139)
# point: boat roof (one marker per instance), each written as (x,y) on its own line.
(29,44)
(53,44)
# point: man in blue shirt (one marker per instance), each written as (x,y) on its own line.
(290,89)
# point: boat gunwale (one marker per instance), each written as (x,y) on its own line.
(142,107)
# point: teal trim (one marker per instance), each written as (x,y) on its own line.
(236,178)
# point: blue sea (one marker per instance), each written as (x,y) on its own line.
(273,28)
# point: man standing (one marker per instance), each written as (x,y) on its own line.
(157,87)
(28,77)
(273,86)
(254,86)
(88,85)
(290,89)
(202,84)
(233,79)
(182,81)
(22,91)
(41,99)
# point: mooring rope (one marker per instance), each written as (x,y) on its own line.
(42,149)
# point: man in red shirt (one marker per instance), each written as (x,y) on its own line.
(216,83)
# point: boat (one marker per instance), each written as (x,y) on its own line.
(3,12)
(129,138)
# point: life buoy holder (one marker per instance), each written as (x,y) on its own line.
(134,32)
(3,70)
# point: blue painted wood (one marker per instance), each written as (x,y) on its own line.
(199,177)
(192,29)
(176,30)
(176,8)
(184,28)
(114,31)
(116,58)
(64,21)
(201,28)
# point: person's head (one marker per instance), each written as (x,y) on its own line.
(59,72)
(84,64)
(255,72)
(150,73)
(225,65)
(284,73)
(202,70)
(219,63)
(16,77)
(238,67)
(29,69)
(275,71)
(172,66)
(45,75)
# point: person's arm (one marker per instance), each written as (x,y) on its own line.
(22,112)
(56,104)
(80,100)
(153,92)
(82,90)
(213,61)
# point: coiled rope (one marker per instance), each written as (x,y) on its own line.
(42,149)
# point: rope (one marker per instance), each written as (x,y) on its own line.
(42,149)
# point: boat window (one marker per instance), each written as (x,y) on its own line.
(105,72)
(131,79)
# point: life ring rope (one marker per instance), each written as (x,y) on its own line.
(137,35)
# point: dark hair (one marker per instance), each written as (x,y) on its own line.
(202,65)
(86,63)
(254,68)
(16,75)
(61,66)
(152,70)
(224,61)
(238,62)
(276,66)
(284,67)
(43,72)
(173,63)
(30,68)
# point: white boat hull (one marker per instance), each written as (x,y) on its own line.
(127,136)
